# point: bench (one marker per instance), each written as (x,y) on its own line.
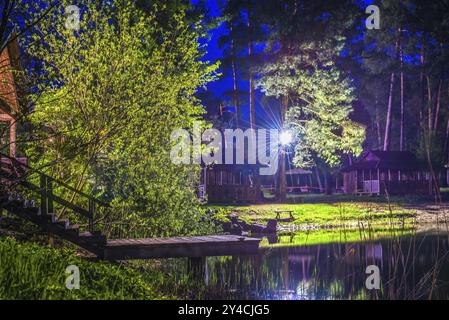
(279,212)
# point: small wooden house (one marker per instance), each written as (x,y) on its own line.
(224,183)
(382,172)
(298,181)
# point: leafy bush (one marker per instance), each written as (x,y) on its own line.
(113,94)
(30,271)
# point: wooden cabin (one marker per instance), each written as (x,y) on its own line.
(298,181)
(224,183)
(9,101)
(382,172)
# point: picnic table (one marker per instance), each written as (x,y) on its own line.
(279,212)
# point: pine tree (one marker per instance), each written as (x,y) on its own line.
(316,99)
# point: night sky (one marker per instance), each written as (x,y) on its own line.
(224,84)
(265,116)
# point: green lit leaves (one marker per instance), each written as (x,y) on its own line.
(119,87)
(320,102)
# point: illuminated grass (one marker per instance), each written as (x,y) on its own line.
(327,236)
(31,271)
(321,214)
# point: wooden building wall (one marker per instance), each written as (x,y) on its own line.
(9,102)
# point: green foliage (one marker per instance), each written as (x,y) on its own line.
(320,105)
(321,118)
(29,271)
(108,99)
(303,49)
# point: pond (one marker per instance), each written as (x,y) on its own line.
(411,265)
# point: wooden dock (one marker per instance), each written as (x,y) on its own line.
(191,247)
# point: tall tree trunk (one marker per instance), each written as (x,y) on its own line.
(252,112)
(437,111)
(318,178)
(446,143)
(429,105)
(378,127)
(234,77)
(328,182)
(428,145)
(282,196)
(401,57)
(389,114)
(282,193)
(387,137)
(422,90)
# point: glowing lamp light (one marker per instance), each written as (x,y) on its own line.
(285,138)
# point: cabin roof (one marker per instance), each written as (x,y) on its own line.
(384,160)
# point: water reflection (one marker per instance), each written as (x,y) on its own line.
(411,267)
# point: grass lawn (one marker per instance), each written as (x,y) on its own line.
(322,219)
(319,215)
(32,271)
(335,212)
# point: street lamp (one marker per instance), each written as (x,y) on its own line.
(285,138)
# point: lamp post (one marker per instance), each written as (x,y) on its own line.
(285,139)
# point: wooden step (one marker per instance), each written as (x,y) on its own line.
(29,210)
(12,202)
(73,226)
(51,217)
(33,210)
(62,222)
(88,237)
(73,230)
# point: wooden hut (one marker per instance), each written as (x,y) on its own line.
(224,183)
(298,181)
(392,172)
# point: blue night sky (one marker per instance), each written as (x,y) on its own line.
(224,84)
(266,117)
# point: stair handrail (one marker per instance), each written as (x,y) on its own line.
(47,196)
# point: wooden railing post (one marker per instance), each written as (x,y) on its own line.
(43,192)
(46,192)
(50,207)
(92,215)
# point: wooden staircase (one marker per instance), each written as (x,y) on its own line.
(15,174)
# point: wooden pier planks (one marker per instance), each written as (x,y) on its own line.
(154,248)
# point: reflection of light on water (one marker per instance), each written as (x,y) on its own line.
(304,291)
(310,290)
(286,294)
(334,271)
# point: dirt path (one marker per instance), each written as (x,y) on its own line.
(429,213)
